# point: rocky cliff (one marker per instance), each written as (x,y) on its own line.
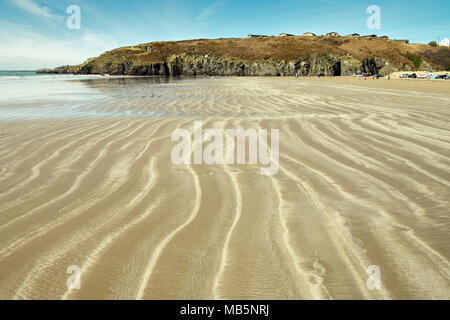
(271,56)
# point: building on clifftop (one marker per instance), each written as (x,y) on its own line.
(256,36)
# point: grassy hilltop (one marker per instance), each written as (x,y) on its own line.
(268,56)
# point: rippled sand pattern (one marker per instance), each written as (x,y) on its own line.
(364,180)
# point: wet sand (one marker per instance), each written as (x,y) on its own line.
(364,180)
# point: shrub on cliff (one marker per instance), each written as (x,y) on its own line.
(416,60)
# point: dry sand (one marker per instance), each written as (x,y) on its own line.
(364,180)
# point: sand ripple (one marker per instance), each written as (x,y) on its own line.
(364,180)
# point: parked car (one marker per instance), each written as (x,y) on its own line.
(378,76)
(412,76)
(441,77)
(404,76)
(423,76)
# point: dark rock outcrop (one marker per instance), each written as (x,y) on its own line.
(194,65)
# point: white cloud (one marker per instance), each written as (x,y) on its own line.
(33,8)
(29,50)
(211,10)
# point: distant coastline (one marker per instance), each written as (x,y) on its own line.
(11,73)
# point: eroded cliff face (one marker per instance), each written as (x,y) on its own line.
(269,56)
(194,65)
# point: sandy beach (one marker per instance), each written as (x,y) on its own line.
(363,180)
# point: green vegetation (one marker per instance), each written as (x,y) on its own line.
(433,44)
(416,60)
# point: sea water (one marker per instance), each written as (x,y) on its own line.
(27,95)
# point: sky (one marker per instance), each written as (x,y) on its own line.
(34,33)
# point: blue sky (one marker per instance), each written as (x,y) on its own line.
(33,33)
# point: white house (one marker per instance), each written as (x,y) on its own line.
(445,42)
